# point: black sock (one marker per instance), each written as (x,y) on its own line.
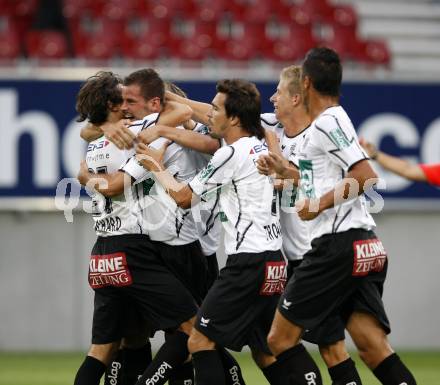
(134,363)
(90,372)
(345,373)
(392,371)
(299,366)
(274,374)
(231,368)
(171,354)
(208,368)
(182,375)
(113,372)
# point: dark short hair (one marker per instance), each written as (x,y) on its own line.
(97,95)
(150,83)
(243,101)
(323,66)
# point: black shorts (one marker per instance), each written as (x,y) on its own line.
(328,332)
(342,273)
(240,306)
(213,270)
(189,265)
(125,271)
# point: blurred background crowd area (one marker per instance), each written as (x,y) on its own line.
(394,35)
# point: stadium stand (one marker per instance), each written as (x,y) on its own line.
(238,31)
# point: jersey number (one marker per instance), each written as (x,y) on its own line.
(108,207)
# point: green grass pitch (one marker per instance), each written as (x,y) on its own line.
(60,368)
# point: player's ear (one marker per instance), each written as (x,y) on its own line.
(235,121)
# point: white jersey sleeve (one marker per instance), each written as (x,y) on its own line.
(217,172)
(339,140)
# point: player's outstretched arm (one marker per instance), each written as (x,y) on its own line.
(109,185)
(185,138)
(117,132)
(199,110)
(175,114)
(90,132)
(396,165)
(151,159)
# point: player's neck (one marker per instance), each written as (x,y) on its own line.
(319,103)
(235,133)
(296,123)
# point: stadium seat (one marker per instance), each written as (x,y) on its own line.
(98,46)
(139,49)
(74,9)
(9,45)
(165,9)
(208,11)
(46,44)
(117,10)
(373,52)
(258,11)
(318,10)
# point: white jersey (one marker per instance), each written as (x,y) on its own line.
(120,214)
(206,212)
(249,208)
(163,220)
(296,233)
(331,148)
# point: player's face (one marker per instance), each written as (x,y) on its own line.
(217,120)
(134,106)
(282,100)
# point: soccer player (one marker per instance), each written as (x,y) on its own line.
(344,272)
(239,306)
(170,226)
(429,173)
(291,123)
(125,269)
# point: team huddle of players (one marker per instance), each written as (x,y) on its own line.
(167,173)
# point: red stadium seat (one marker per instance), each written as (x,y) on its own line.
(209,11)
(373,52)
(73,9)
(318,10)
(98,46)
(46,44)
(117,10)
(258,11)
(24,8)
(9,45)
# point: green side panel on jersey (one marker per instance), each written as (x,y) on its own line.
(339,138)
(147,185)
(306,178)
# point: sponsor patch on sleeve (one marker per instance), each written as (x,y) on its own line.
(275,278)
(109,270)
(369,256)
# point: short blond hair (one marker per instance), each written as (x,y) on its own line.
(292,75)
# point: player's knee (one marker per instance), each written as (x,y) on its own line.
(334,354)
(197,342)
(275,343)
(103,352)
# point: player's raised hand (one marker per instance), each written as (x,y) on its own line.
(307,209)
(262,166)
(150,158)
(119,134)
